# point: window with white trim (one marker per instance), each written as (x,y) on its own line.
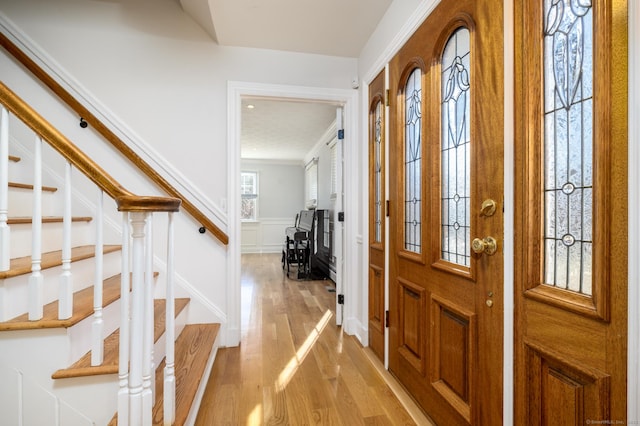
(249,194)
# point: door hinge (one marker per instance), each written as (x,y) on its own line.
(341,134)
(386,97)
(386,319)
(340,216)
(387,207)
(341,299)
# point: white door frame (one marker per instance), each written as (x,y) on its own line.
(346,98)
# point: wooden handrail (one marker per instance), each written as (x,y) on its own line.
(111,137)
(125,200)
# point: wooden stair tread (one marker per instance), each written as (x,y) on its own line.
(29,186)
(22,265)
(83,367)
(82,308)
(46,219)
(193,348)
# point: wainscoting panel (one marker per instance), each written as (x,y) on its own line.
(264,235)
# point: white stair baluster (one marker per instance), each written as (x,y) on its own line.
(5,253)
(148,383)
(137,319)
(97,348)
(35,289)
(169,369)
(65,300)
(123,360)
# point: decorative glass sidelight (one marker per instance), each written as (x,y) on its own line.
(456,150)
(568,144)
(377,161)
(413,163)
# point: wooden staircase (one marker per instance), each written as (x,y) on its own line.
(195,343)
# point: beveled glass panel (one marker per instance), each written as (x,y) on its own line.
(377,164)
(413,163)
(456,149)
(568,144)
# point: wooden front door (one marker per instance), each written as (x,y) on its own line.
(571,212)
(377,198)
(446,172)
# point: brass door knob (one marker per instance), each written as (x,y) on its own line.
(487,245)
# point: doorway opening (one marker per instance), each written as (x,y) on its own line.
(240,95)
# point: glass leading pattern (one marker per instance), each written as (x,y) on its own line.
(456,150)
(413,161)
(568,144)
(377,153)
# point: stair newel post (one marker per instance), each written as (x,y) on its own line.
(136,361)
(97,347)
(169,369)
(5,255)
(65,300)
(148,368)
(36,297)
(123,354)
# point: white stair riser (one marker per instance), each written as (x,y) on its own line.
(36,352)
(13,291)
(80,334)
(18,172)
(159,350)
(20,203)
(81,233)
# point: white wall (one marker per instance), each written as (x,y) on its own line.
(147,61)
(164,82)
(280,198)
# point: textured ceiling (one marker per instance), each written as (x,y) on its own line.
(281,129)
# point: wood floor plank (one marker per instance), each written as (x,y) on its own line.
(293,366)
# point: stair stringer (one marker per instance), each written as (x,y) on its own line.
(34,355)
(39,408)
(53,402)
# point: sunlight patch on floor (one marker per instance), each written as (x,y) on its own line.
(255,417)
(292,366)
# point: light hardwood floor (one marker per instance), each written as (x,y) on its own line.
(294,366)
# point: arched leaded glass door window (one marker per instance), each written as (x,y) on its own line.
(456,149)
(413,162)
(377,164)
